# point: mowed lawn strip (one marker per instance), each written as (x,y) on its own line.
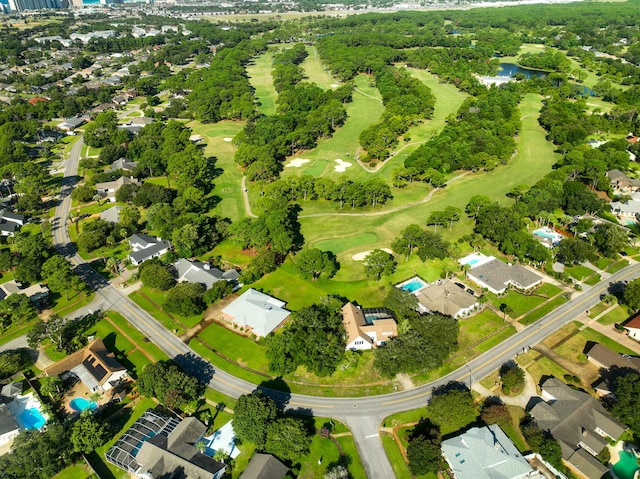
(259,72)
(241,349)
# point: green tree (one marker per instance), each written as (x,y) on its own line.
(401,302)
(83,193)
(13,361)
(51,386)
(251,417)
(154,274)
(496,414)
(512,377)
(610,239)
(38,454)
(185,299)
(452,407)
(543,443)
(16,309)
(87,434)
(379,262)
(631,294)
(423,452)
(287,438)
(169,384)
(218,290)
(312,263)
(627,400)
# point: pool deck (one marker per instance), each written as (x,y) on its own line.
(615,456)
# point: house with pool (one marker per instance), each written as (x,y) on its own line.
(580,424)
(496,276)
(95,366)
(18,412)
(447,298)
(368,328)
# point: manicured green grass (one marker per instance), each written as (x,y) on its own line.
(542,311)
(597,309)
(158,314)
(17,330)
(573,348)
(614,268)
(519,303)
(315,71)
(218,362)
(77,471)
(218,397)
(63,306)
(137,337)
(259,72)
(543,366)
(617,315)
(227,191)
(579,271)
(478,327)
(593,280)
(547,289)
(338,245)
(241,349)
(603,263)
(400,467)
(160,298)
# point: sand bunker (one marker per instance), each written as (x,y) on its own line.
(334,85)
(341,166)
(228,139)
(296,163)
(362,255)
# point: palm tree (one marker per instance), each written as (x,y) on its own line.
(112,265)
(95,397)
(201,446)
(506,310)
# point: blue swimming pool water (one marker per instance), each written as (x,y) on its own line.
(32,418)
(627,466)
(80,404)
(473,261)
(544,234)
(413,286)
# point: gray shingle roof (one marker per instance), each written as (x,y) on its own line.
(264,466)
(203,273)
(572,418)
(7,421)
(497,275)
(484,453)
(587,464)
(446,298)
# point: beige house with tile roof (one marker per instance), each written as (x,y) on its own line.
(368,328)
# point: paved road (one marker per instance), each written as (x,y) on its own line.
(363,415)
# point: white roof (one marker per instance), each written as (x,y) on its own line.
(259,311)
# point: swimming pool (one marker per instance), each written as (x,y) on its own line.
(80,404)
(627,466)
(412,286)
(544,234)
(32,418)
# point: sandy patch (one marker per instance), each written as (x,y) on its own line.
(334,85)
(227,139)
(362,255)
(296,163)
(341,166)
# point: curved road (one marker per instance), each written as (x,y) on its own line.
(363,415)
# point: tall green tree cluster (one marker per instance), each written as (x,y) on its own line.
(481,136)
(256,420)
(169,384)
(314,337)
(424,346)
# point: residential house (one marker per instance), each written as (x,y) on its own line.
(71,124)
(111,215)
(10,222)
(203,273)
(621,183)
(579,423)
(486,453)
(102,107)
(447,298)
(124,165)
(9,428)
(146,247)
(633,327)
(497,276)
(37,293)
(108,189)
(627,209)
(610,364)
(161,445)
(94,365)
(264,466)
(257,312)
(367,328)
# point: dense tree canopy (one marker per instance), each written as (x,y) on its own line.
(251,417)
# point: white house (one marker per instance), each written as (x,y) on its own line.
(633,327)
(146,247)
(257,312)
(108,189)
(202,273)
(367,328)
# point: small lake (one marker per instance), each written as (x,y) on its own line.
(511,69)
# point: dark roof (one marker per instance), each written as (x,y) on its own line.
(15,217)
(95,368)
(7,421)
(587,464)
(573,416)
(264,466)
(146,253)
(608,358)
